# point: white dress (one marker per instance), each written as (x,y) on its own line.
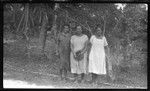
(78,42)
(97,63)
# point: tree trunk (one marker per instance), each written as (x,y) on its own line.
(42,37)
(54,27)
(26,28)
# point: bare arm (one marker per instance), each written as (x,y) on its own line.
(89,44)
(89,29)
(72,49)
(85,47)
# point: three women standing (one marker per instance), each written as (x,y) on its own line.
(79,45)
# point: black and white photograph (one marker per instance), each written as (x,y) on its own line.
(75,45)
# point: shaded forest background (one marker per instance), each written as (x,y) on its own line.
(31,30)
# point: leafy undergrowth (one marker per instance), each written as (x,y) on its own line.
(25,68)
(45,80)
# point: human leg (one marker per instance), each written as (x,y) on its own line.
(63,71)
(75,76)
(80,77)
(94,77)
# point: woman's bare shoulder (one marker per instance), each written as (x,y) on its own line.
(92,36)
(85,35)
(73,36)
(104,37)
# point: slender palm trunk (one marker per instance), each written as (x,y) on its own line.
(42,37)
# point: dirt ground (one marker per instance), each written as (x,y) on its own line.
(43,71)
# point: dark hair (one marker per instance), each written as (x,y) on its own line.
(95,29)
(98,26)
(63,26)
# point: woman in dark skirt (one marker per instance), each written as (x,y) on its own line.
(64,51)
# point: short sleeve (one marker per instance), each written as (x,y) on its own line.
(105,42)
(86,37)
(72,38)
(91,39)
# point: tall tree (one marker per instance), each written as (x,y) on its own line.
(42,36)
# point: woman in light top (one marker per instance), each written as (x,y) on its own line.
(97,63)
(79,43)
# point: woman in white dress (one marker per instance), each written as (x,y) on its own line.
(78,43)
(97,63)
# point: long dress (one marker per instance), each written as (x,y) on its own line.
(97,63)
(64,50)
(78,66)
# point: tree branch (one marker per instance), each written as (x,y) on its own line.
(71,19)
(89,28)
(104,19)
(116,23)
(20,22)
(31,18)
